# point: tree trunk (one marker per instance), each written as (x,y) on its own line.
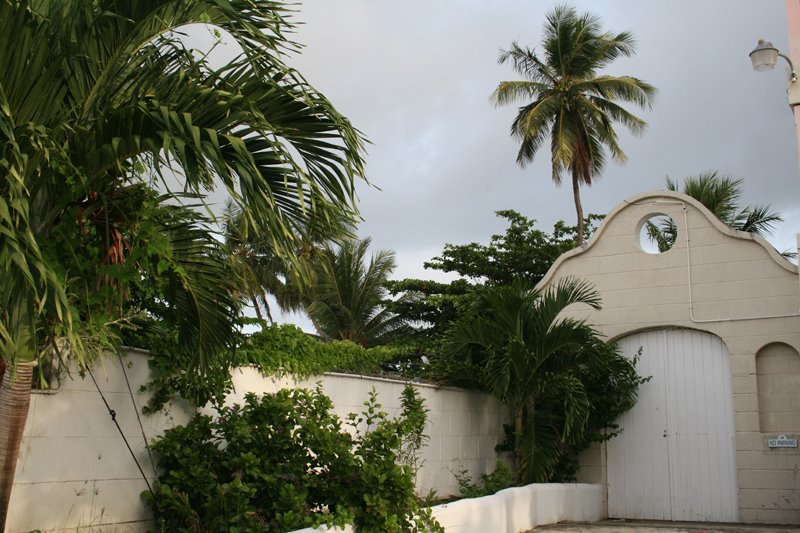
(15,397)
(576,193)
(257,307)
(520,457)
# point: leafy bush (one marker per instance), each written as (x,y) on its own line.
(286,349)
(284,461)
(275,350)
(501,478)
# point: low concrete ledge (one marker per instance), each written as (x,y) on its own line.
(517,509)
(522,508)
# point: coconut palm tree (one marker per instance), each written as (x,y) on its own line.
(100,99)
(566,99)
(346,299)
(264,273)
(721,195)
(525,355)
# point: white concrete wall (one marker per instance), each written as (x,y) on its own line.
(731,284)
(516,510)
(521,508)
(74,470)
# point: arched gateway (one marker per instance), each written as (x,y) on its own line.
(675,459)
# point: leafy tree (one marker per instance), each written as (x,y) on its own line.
(565,99)
(522,252)
(515,345)
(346,299)
(100,105)
(721,195)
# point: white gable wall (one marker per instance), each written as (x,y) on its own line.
(714,279)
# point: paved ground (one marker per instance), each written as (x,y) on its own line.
(631,526)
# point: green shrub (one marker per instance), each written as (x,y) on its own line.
(283,462)
(285,349)
(501,478)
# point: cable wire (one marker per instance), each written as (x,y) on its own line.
(114,419)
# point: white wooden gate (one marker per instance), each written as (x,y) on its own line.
(675,459)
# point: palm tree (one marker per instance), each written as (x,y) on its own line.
(264,272)
(720,195)
(100,99)
(346,299)
(565,99)
(526,356)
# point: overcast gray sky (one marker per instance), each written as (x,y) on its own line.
(415,77)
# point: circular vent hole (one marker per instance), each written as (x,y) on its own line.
(658,234)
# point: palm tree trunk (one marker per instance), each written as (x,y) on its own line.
(519,453)
(576,193)
(15,397)
(257,307)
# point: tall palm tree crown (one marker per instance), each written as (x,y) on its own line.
(565,99)
(720,194)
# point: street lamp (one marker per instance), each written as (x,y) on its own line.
(764,57)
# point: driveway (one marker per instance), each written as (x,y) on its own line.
(631,526)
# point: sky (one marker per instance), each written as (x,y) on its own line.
(415,78)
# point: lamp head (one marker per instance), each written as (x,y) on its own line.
(764,56)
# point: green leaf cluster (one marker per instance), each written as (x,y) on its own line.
(564,386)
(563,97)
(522,252)
(502,477)
(283,462)
(286,349)
(276,350)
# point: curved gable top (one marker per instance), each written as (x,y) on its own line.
(712,273)
(657,201)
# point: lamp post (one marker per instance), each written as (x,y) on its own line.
(764,57)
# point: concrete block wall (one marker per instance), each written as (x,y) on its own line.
(75,473)
(714,279)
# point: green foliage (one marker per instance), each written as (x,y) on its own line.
(345,301)
(611,383)
(502,477)
(102,105)
(522,252)
(173,373)
(720,195)
(284,461)
(286,349)
(563,385)
(276,350)
(412,426)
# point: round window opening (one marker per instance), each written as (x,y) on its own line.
(658,234)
